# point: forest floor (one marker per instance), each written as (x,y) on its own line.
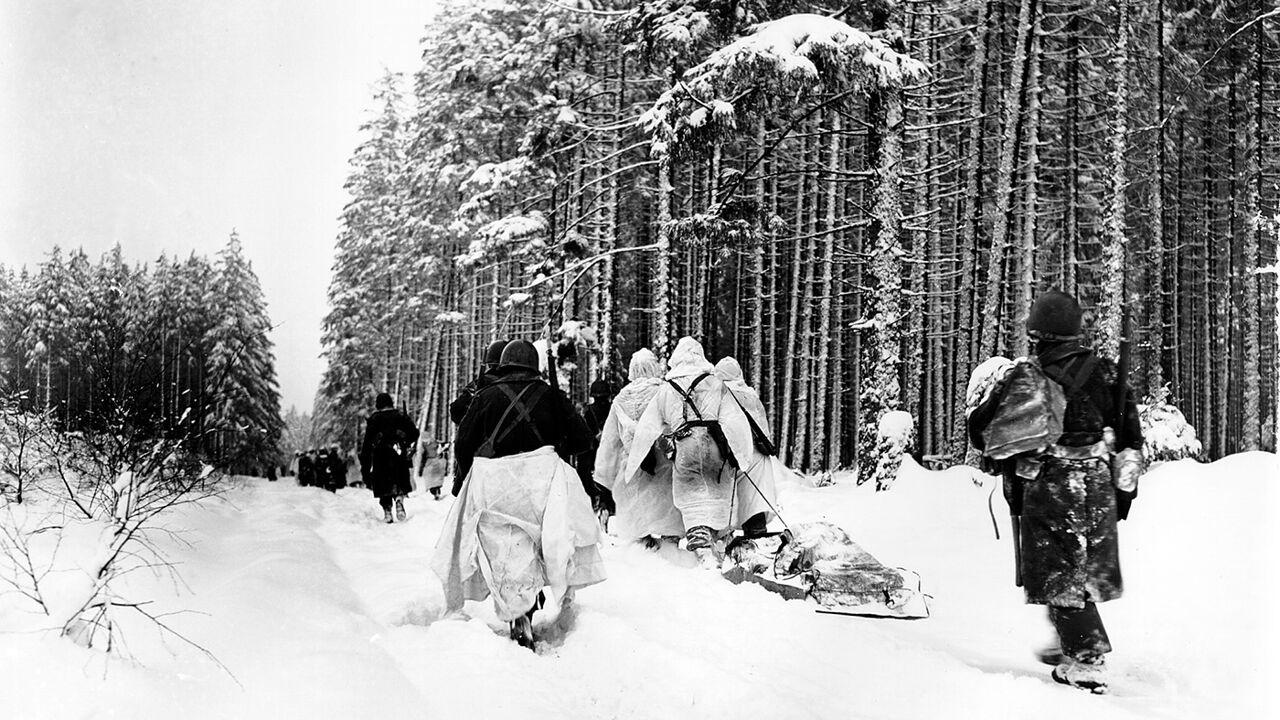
(316,609)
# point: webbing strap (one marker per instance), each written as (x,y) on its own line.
(1071,381)
(688,396)
(525,412)
(487,445)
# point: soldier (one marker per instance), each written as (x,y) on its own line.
(389,438)
(710,434)
(492,358)
(521,507)
(306,469)
(644,502)
(595,414)
(1065,495)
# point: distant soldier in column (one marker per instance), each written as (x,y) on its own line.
(385,456)
(595,414)
(337,469)
(430,467)
(306,469)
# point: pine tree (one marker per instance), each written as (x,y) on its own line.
(244,411)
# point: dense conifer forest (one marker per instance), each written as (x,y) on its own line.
(857,201)
(174,349)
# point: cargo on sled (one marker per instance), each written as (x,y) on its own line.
(820,563)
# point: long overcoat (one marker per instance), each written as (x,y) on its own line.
(385,453)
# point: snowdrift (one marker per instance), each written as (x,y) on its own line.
(320,610)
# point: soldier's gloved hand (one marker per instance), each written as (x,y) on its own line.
(1124,500)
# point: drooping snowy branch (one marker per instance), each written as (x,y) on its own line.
(788,58)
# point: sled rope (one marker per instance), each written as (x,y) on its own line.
(763,497)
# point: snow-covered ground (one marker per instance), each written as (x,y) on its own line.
(318,610)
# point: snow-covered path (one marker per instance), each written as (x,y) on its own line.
(319,610)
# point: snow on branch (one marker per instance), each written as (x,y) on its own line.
(507,232)
(491,181)
(790,57)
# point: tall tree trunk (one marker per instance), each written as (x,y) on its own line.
(1027,245)
(880,391)
(1111,302)
(756,271)
(662,340)
(994,322)
(826,289)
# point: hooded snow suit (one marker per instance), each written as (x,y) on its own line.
(644,502)
(690,408)
(757,491)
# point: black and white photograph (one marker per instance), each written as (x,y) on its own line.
(639,359)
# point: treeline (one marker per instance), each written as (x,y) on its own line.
(858,202)
(177,349)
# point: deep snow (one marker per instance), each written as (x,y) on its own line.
(321,611)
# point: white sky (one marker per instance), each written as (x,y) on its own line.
(162,125)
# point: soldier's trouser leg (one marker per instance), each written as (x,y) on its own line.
(386,500)
(1081,632)
(697,489)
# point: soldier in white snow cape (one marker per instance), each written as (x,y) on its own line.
(757,482)
(709,432)
(522,525)
(644,502)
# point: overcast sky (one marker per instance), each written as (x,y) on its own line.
(163,124)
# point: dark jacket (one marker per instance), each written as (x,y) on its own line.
(386,452)
(337,470)
(552,420)
(1093,405)
(306,470)
(458,408)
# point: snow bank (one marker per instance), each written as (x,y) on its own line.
(320,610)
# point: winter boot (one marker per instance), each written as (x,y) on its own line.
(1091,676)
(386,516)
(400,514)
(1051,655)
(701,541)
(522,630)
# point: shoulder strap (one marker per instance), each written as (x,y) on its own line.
(515,400)
(688,396)
(1073,377)
(755,427)
(525,411)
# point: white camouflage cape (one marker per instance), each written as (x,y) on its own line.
(644,502)
(757,490)
(665,413)
(519,524)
